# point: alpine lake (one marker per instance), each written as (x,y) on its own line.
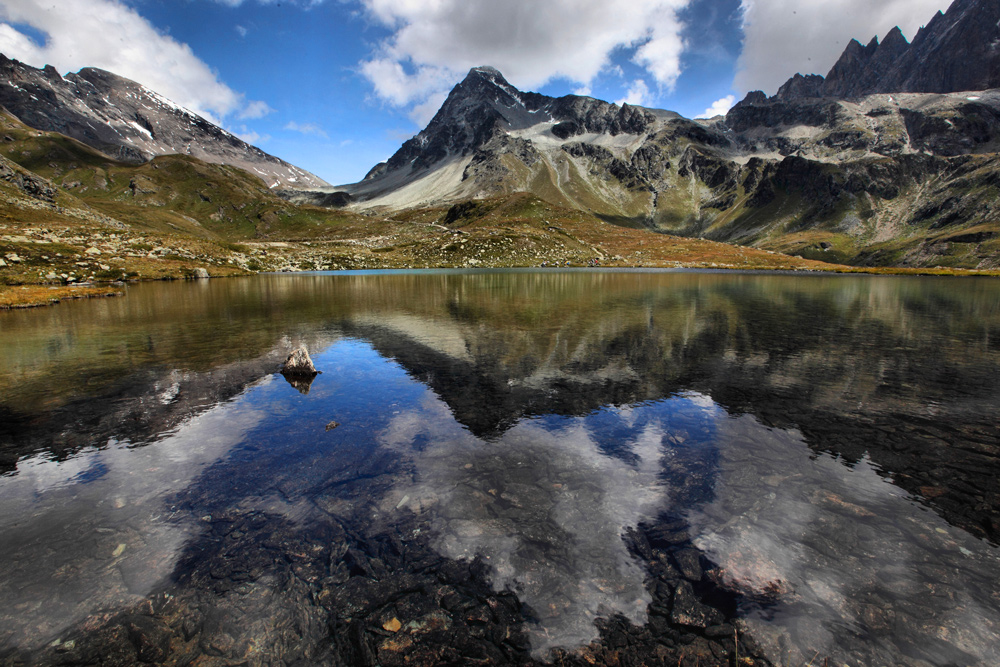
(505,467)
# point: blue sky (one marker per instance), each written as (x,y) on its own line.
(335,86)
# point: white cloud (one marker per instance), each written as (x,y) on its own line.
(783,37)
(719,107)
(637,95)
(251,137)
(434,42)
(306,128)
(422,113)
(661,55)
(255,109)
(308,4)
(241,30)
(112,36)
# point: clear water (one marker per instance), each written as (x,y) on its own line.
(505,468)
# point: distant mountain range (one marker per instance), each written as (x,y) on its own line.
(129,122)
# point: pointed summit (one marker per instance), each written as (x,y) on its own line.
(851,67)
(954,52)
(487,71)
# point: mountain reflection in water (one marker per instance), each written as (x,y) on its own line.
(578,467)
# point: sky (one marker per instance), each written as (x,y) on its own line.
(335,86)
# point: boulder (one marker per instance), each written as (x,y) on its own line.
(299,365)
(200,273)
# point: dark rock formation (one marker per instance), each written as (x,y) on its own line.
(759,111)
(604,164)
(129,122)
(956,51)
(797,87)
(338,199)
(27,182)
(484,106)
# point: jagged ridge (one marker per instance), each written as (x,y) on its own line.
(956,51)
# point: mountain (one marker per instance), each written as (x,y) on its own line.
(485,135)
(827,168)
(957,51)
(906,180)
(129,122)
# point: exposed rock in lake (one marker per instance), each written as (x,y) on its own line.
(298,364)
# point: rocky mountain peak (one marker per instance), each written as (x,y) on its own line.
(895,42)
(485,118)
(129,122)
(955,51)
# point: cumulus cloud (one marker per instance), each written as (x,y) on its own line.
(434,42)
(638,94)
(306,128)
(131,48)
(719,107)
(782,37)
(254,110)
(250,136)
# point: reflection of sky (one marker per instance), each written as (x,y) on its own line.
(862,574)
(846,565)
(546,505)
(834,560)
(93,532)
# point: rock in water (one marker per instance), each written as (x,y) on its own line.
(200,273)
(299,365)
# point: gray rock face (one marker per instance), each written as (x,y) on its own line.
(130,122)
(27,182)
(956,51)
(484,107)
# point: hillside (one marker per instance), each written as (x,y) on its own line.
(130,122)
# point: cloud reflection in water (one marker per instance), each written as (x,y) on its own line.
(857,571)
(108,536)
(546,506)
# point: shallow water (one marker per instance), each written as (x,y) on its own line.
(505,468)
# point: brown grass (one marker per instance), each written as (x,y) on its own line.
(31,296)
